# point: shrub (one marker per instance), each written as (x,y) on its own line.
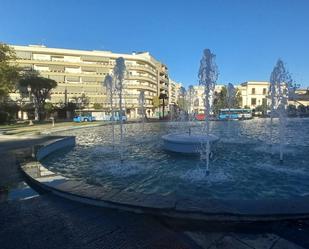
(4,116)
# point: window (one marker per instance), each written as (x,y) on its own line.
(264,102)
(253,91)
(253,101)
(264,91)
(196,102)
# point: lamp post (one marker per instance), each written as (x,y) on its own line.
(30,101)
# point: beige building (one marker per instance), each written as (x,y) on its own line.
(300,98)
(173,92)
(253,93)
(196,101)
(82,72)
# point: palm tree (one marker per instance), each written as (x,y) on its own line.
(163,96)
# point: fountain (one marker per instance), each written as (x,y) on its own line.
(231,92)
(110,88)
(119,75)
(195,143)
(280,88)
(141,101)
(245,180)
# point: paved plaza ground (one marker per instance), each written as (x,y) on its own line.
(29,219)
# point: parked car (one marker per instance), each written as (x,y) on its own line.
(84,118)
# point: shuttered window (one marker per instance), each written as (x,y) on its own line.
(23,55)
(94,58)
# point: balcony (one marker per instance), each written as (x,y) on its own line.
(142,87)
(137,77)
(143,68)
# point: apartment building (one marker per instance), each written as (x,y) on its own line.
(82,72)
(174,89)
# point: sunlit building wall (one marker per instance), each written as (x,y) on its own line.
(79,72)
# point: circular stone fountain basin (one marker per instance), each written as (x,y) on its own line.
(246,179)
(187,143)
(243,167)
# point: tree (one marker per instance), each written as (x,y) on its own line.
(292,110)
(49,108)
(9,110)
(182,103)
(262,109)
(238,99)
(97,106)
(220,100)
(9,73)
(156,101)
(190,97)
(301,109)
(81,101)
(39,88)
(164,97)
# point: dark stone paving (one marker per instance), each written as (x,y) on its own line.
(52,222)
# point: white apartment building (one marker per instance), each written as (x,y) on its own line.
(80,72)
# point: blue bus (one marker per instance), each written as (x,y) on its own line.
(228,114)
(84,118)
(118,116)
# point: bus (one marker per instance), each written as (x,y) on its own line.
(226,114)
(118,116)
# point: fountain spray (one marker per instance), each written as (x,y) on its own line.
(208,75)
(231,92)
(281,86)
(141,100)
(110,88)
(119,75)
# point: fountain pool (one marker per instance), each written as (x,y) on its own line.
(243,166)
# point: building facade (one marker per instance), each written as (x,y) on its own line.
(253,93)
(196,98)
(174,89)
(80,72)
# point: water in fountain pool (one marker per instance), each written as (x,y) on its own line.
(242,167)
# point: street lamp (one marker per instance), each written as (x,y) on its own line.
(30,101)
(29,91)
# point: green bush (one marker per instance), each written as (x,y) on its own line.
(4,116)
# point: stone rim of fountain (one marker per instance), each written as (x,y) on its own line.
(167,206)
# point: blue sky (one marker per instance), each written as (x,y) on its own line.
(247,36)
